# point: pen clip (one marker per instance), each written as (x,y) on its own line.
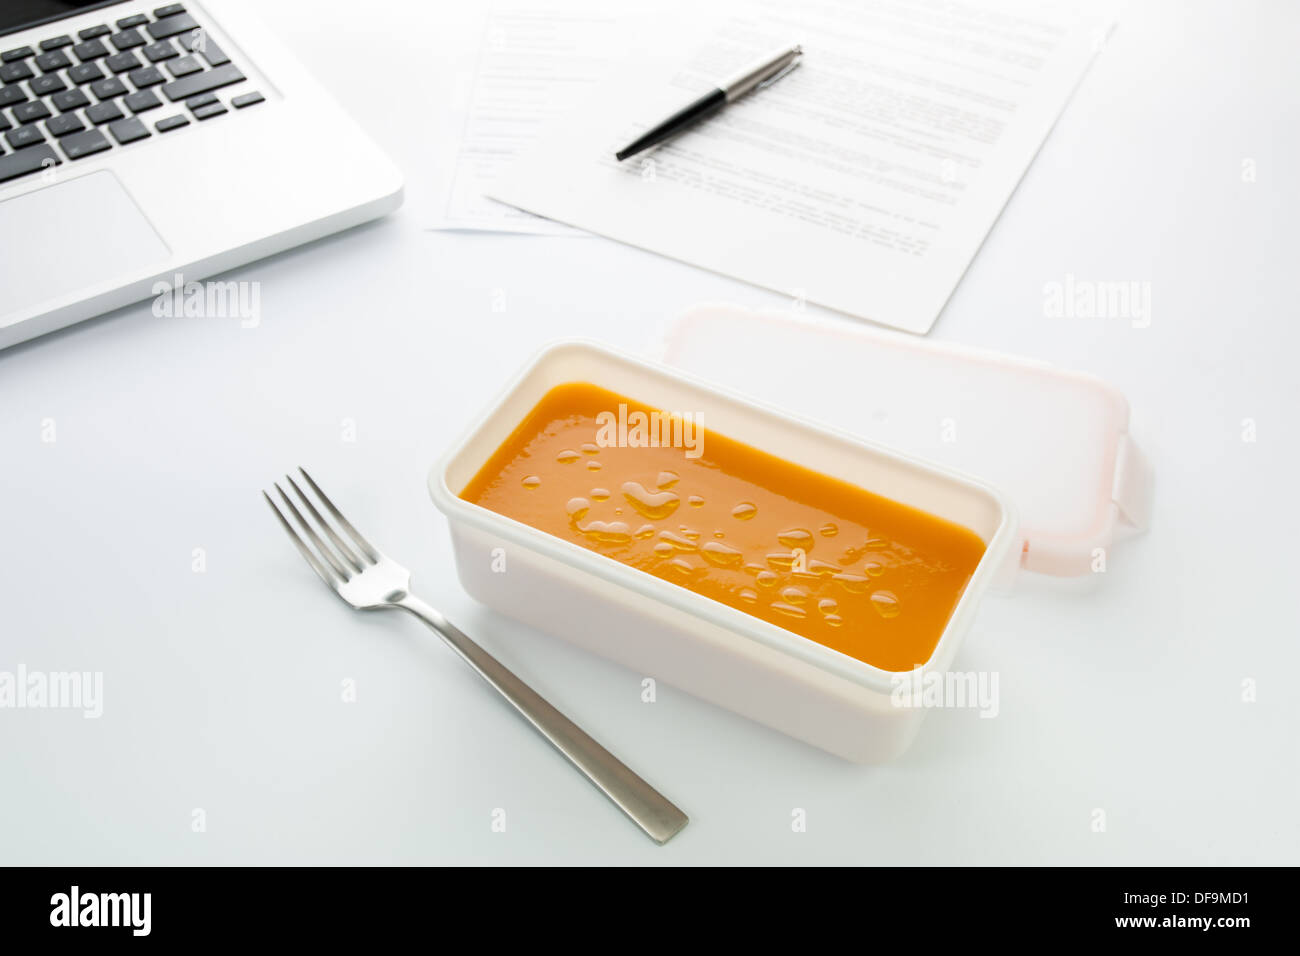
(780,73)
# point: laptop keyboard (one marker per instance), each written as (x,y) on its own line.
(69,97)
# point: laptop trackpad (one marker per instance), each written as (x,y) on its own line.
(70,237)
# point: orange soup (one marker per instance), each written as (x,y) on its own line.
(859,573)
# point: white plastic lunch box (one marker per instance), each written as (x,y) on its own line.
(667,632)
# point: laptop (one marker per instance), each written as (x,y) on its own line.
(144,146)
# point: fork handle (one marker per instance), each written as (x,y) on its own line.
(648,808)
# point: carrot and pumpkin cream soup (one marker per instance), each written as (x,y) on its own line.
(859,573)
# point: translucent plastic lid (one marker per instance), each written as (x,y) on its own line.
(1056,442)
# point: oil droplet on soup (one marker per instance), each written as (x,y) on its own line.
(886,603)
(676,541)
(607,532)
(776,515)
(853,583)
(719,554)
(796,538)
(655,505)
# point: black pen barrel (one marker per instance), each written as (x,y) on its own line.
(706,105)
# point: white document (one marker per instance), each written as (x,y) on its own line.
(534,63)
(864,181)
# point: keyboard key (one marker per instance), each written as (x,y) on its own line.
(171,123)
(56,43)
(90,50)
(122,62)
(146,77)
(247,99)
(81,145)
(25,136)
(172,26)
(134,20)
(63,125)
(54,60)
(85,73)
(17,53)
(108,88)
(9,95)
(4,123)
(183,89)
(209,111)
(214,54)
(184,66)
(91,32)
(27,161)
(162,50)
(142,101)
(13,72)
(69,100)
(199,42)
(129,130)
(102,113)
(127,40)
(47,85)
(31,112)
(170,10)
(203,99)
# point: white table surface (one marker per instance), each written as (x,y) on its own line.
(222,689)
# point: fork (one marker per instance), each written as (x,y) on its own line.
(367,580)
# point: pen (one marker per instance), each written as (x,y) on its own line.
(766,71)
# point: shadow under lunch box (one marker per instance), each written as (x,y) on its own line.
(665,631)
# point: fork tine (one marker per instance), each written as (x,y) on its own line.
(321,547)
(339,543)
(362,543)
(325,574)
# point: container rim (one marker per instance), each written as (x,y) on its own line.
(731,619)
